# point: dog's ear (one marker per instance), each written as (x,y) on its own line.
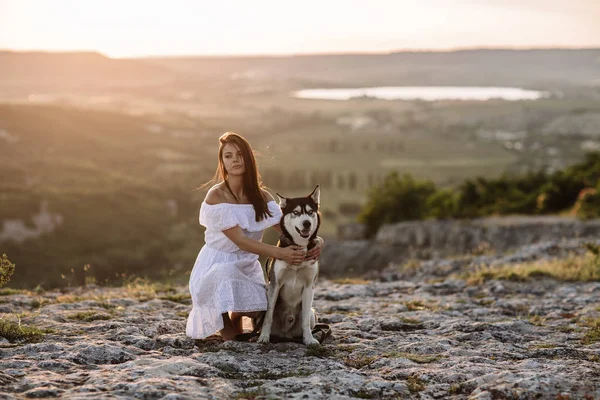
(282,201)
(316,195)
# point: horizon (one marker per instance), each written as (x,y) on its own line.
(265,28)
(284,55)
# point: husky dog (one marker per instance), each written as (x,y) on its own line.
(290,294)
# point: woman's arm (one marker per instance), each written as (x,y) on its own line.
(291,254)
(315,252)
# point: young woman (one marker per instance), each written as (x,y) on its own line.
(227,281)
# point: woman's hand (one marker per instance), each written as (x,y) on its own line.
(315,252)
(292,254)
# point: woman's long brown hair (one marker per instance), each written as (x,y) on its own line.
(252,181)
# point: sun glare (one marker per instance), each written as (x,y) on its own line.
(138,28)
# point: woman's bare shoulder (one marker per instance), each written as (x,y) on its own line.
(214,195)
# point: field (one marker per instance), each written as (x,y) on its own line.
(107,174)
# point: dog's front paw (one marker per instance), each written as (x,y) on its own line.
(263,338)
(310,341)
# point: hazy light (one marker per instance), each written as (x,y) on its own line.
(135,27)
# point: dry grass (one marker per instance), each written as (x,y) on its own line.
(415,305)
(576,268)
(316,350)
(89,316)
(351,281)
(10,292)
(418,305)
(418,358)
(359,361)
(544,346)
(415,384)
(141,289)
(537,320)
(183,298)
(592,335)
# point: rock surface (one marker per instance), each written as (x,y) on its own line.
(410,338)
(400,242)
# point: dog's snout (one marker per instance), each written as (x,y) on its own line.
(306,224)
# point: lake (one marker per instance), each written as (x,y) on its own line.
(428,93)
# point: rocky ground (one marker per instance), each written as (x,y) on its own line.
(421,336)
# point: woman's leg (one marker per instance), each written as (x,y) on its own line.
(236,318)
(236,322)
(228,332)
(232,325)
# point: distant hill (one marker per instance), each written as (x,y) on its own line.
(541,68)
(72,70)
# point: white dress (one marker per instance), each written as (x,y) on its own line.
(225,278)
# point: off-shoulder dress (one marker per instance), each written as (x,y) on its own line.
(225,278)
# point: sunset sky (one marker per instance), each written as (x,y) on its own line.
(127,28)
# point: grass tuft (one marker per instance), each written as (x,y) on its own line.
(415,384)
(544,346)
(537,320)
(9,291)
(141,289)
(183,298)
(359,361)
(317,350)
(415,305)
(592,335)
(418,358)
(408,320)
(88,316)
(15,332)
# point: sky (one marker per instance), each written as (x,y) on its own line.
(138,28)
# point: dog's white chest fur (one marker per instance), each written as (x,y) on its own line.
(294,279)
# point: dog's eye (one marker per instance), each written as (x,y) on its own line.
(296,212)
(310,212)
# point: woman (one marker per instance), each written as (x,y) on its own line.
(227,281)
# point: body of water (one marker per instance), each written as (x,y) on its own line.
(428,93)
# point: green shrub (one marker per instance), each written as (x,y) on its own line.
(442,204)
(574,189)
(396,199)
(589,203)
(6,270)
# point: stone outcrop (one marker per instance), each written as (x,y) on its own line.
(400,242)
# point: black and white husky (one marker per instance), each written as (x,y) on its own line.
(291,287)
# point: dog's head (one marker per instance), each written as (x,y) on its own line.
(301,217)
